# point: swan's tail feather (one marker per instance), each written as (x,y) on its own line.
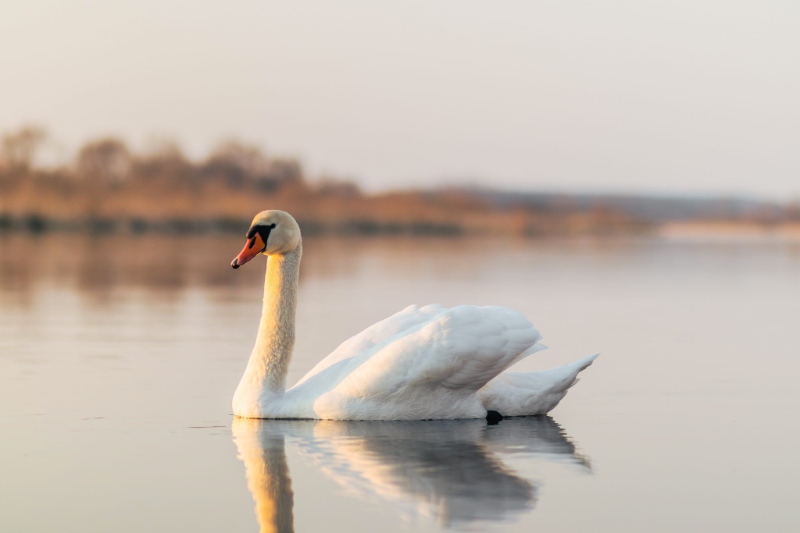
(586,362)
(532,393)
(566,376)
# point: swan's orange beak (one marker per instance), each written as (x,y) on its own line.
(254,246)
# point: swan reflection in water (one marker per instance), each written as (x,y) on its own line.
(451,470)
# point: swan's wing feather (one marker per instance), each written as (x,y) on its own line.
(373,338)
(471,345)
(452,354)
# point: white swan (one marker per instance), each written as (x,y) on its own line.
(422,363)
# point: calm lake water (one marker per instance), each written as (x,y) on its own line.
(119,357)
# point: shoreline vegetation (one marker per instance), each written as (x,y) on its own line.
(107,188)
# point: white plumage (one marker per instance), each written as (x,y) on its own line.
(428,362)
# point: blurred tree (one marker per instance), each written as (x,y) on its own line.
(235,163)
(329,186)
(280,172)
(164,163)
(18,149)
(102,165)
(104,161)
(793,211)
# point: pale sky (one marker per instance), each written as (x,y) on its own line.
(673,96)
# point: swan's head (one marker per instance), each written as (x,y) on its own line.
(271,233)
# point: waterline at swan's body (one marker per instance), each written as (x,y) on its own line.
(426,362)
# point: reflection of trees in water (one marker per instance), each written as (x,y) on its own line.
(165,265)
(99,265)
(17,274)
(96,275)
(450,471)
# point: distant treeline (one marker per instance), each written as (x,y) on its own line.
(108,187)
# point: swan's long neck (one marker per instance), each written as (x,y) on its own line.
(269,362)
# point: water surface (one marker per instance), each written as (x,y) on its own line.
(119,356)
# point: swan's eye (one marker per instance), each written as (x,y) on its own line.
(262,230)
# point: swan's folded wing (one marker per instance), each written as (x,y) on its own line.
(361,346)
(451,355)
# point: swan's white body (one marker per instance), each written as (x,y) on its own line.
(427,362)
